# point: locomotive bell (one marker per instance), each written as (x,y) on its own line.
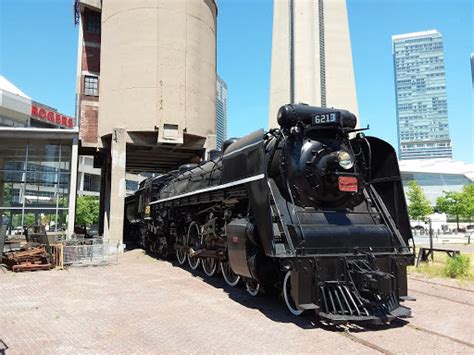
(290,115)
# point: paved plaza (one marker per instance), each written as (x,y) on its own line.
(143,305)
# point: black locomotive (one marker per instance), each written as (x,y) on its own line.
(314,209)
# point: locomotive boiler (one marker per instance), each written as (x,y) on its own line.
(314,209)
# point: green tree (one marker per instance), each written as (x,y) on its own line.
(451,203)
(458,204)
(467,202)
(29,219)
(7,196)
(419,207)
(87,210)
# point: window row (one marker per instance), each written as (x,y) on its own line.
(16,219)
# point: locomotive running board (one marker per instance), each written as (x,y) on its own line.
(213,188)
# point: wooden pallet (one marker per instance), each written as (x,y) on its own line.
(31,259)
(32,267)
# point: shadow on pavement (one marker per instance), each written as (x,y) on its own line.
(273,307)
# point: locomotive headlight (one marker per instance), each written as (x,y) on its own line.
(345,160)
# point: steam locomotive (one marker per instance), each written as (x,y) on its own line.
(314,209)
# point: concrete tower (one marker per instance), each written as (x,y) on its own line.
(146,90)
(311,56)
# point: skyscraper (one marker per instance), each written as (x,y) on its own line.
(311,56)
(420,90)
(221,112)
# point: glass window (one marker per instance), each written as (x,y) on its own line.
(87,182)
(64,179)
(12,155)
(40,195)
(12,218)
(11,194)
(34,184)
(92,23)
(43,156)
(91,183)
(131,185)
(65,163)
(91,85)
(41,178)
(46,217)
(62,220)
(63,196)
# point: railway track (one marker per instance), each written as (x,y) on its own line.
(345,331)
(465,291)
(439,284)
(442,297)
(456,340)
(351,336)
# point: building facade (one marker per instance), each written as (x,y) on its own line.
(420,90)
(436,176)
(38,164)
(146,91)
(311,56)
(221,112)
(89,177)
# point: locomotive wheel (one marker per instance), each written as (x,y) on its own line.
(229,276)
(209,265)
(253,287)
(180,253)
(193,240)
(292,307)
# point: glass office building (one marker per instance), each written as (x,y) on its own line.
(34,182)
(435,176)
(221,112)
(38,164)
(420,89)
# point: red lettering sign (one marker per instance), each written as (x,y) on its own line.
(51,116)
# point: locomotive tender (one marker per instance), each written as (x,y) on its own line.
(314,209)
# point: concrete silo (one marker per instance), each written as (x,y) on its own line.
(152,64)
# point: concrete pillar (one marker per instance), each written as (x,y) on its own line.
(2,187)
(103,196)
(118,152)
(81,181)
(72,188)
(211,143)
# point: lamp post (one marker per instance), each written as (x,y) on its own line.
(431,237)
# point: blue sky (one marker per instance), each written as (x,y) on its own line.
(38,53)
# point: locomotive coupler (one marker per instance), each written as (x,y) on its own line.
(367,278)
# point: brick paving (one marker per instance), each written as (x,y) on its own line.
(143,305)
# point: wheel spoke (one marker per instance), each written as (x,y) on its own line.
(253,287)
(209,266)
(229,276)
(180,253)
(193,240)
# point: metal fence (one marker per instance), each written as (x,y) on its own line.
(95,252)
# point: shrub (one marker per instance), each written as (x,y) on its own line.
(457,266)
